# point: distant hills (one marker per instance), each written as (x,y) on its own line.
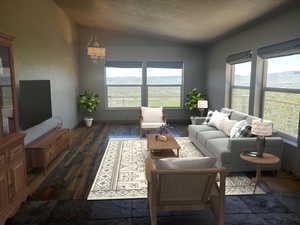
(289,79)
(138,80)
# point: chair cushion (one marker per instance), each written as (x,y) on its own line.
(204,136)
(151,125)
(185,163)
(235,115)
(150,115)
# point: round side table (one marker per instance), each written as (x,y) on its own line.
(266,159)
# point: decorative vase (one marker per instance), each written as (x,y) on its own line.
(88,121)
(193,120)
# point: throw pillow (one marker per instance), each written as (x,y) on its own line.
(216,118)
(152,115)
(245,131)
(185,163)
(207,119)
(235,131)
(226,125)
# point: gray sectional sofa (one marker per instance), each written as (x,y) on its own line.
(213,142)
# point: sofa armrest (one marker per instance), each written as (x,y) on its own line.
(273,145)
(199,120)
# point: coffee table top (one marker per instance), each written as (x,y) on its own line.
(154,144)
(266,159)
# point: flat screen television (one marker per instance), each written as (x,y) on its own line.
(34,102)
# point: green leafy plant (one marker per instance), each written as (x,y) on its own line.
(191,102)
(88,101)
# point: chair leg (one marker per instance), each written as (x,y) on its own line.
(153,215)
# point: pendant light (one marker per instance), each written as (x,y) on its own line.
(94,50)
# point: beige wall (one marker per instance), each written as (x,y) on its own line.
(44,49)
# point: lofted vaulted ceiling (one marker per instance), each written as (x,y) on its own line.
(193,21)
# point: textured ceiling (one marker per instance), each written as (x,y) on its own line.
(194,21)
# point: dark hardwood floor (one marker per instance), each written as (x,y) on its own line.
(59,195)
(72,173)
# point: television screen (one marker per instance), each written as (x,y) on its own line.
(34,102)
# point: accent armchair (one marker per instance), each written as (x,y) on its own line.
(185,184)
(151,118)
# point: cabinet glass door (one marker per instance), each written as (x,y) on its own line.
(6,98)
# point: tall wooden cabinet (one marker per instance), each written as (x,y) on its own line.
(13,175)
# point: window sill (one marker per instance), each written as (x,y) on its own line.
(288,139)
(292,143)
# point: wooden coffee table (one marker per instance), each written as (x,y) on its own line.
(160,149)
(267,159)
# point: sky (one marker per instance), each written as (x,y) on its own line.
(275,65)
(286,63)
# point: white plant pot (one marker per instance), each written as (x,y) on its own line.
(193,120)
(88,121)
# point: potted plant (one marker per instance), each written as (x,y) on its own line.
(88,102)
(191,102)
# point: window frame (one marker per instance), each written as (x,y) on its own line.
(144,88)
(166,85)
(232,86)
(122,85)
(279,90)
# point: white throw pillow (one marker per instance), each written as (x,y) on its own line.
(235,129)
(216,119)
(226,126)
(152,115)
(185,163)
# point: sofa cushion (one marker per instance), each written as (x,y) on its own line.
(195,129)
(251,118)
(235,115)
(220,148)
(204,136)
(185,163)
(203,127)
(226,110)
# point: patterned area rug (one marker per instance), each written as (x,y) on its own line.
(121,173)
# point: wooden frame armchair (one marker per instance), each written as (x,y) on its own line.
(168,190)
(152,120)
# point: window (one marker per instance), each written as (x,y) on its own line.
(127,86)
(240,86)
(164,84)
(282,92)
(124,84)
